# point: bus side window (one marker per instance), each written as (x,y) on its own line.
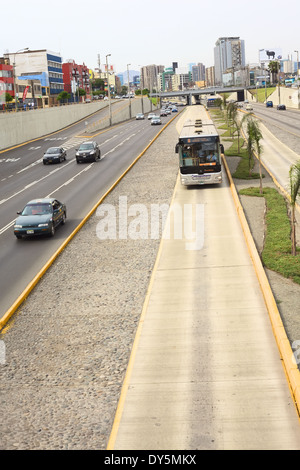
(222,148)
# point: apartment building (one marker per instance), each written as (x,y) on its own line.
(75,76)
(6,79)
(42,65)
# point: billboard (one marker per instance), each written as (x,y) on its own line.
(265,55)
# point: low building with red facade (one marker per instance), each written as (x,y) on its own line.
(75,76)
(6,79)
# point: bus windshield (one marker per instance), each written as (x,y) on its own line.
(200,153)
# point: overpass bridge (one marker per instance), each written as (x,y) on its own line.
(196,92)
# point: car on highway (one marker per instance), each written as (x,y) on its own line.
(174,109)
(163,112)
(140,116)
(168,111)
(88,151)
(40,217)
(54,155)
(249,107)
(269,104)
(281,106)
(151,115)
(155,121)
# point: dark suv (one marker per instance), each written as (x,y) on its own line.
(88,151)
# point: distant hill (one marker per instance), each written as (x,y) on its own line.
(132,73)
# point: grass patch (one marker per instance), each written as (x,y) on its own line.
(261,93)
(242,171)
(276,254)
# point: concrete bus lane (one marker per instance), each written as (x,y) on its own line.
(205,370)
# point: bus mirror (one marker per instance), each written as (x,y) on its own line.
(176,148)
(222,148)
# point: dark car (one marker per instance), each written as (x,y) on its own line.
(281,106)
(88,151)
(40,217)
(54,155)
(269,104)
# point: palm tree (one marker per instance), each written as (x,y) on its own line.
(294,189)
(273,68)
(231,115)
(257,136)
(250,142)
(253,145)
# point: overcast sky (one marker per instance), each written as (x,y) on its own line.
(141,33)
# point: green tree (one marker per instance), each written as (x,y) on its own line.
(257,136)
(231,114)
(8,97)
(63,96)
(254,137)
(294,175)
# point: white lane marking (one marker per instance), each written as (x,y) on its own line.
(119,145)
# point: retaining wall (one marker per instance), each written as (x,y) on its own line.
(129,110)
(19,127)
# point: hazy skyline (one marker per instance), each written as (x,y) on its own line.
(142,33)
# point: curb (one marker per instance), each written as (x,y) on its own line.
(290,367)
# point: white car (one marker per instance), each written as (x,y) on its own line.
(151,115)
(139,116)
(249,107)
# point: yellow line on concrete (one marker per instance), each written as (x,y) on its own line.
(36,279)
(291,368)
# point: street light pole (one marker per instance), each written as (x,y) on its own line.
(298,78)
(129,91)
(108,89)
(141,88)
(14,66)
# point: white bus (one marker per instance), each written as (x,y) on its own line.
(199,152)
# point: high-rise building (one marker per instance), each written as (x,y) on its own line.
(149,76)
(229,56)
(210,76)
(198,72)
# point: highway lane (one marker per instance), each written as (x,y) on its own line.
(285,123)
(30,153)
(80,186)
(281,141)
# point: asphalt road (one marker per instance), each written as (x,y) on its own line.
(284,124)
(80,186)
